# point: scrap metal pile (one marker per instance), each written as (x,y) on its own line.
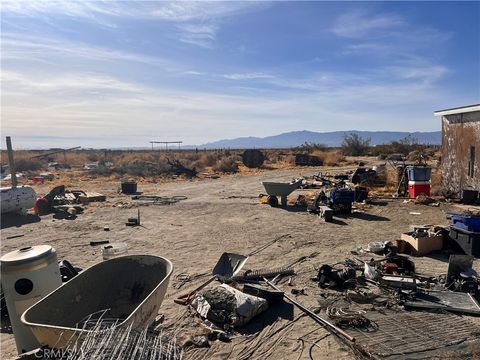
(333,194)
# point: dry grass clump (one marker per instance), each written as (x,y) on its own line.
(28,164)
(329,157)
(227,164)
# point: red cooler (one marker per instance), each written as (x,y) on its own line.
(416,188)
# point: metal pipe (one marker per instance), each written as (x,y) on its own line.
(314,316)
(11,162)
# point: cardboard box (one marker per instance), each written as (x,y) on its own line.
(423,245)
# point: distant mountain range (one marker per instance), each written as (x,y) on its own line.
(331,139)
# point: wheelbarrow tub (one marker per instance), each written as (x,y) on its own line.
(128,288)
(281,189)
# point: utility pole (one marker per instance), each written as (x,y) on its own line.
(11,162)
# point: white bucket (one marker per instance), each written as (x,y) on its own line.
(113,250)
(28,275)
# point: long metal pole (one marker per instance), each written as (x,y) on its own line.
(11,162)
(306,310)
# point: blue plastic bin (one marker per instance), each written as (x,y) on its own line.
(465,222)
(419,173)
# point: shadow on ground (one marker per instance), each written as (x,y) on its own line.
(17,220)
(281,310)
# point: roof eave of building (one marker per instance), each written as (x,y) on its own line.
(458,110)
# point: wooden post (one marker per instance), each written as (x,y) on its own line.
(11,163)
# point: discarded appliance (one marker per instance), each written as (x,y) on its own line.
(17,199)
(28,275)
(275,189)
(128,289)
(227,266)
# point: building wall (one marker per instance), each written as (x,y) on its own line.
(459,132)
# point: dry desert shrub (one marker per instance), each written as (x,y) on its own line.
(226,165)
(329,157)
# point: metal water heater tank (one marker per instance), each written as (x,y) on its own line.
(17,199)
(28,275)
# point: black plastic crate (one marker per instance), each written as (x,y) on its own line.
(468,241)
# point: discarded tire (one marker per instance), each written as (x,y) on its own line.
(272,200)
(253,158)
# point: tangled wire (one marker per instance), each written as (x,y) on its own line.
(349,318)
(159,200)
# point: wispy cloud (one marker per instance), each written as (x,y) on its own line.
(359,24)
(197,34)
(248,76)
(25,47)
(197,22)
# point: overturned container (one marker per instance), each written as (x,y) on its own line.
(28,275)
(17,199)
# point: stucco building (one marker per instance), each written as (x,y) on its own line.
(460,148)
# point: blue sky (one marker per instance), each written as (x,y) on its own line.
(108,74)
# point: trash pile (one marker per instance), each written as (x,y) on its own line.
(68,202)
(336,193)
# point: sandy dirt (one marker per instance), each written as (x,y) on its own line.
(225,215)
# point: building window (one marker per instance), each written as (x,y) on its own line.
(471,162)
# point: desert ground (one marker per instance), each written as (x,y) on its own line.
(225,215)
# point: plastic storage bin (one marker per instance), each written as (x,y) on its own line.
(468,241)
(465,222)
(416,188)
(419,173)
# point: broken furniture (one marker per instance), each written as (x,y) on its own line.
(275,189)
(127,289)
(28,274)
(227,266)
